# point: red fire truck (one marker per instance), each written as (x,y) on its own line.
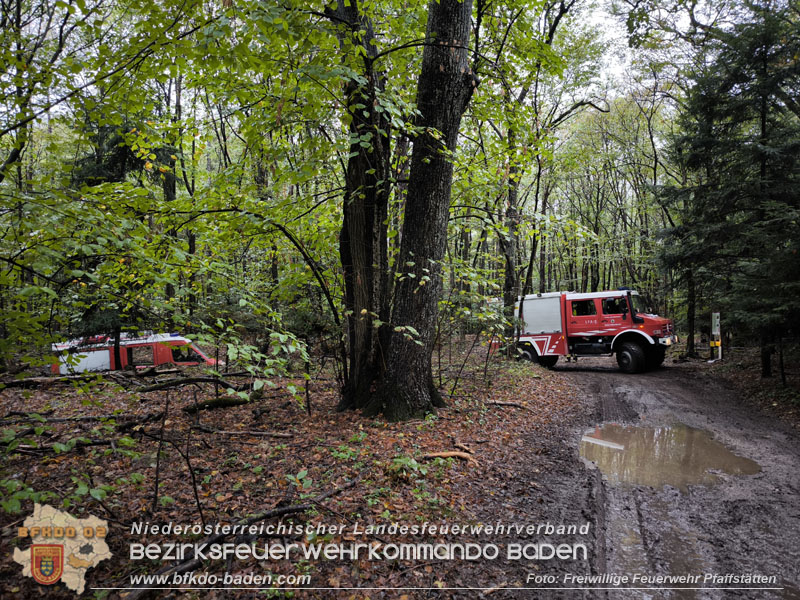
(96,353)
(600,323)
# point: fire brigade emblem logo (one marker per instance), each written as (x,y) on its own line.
(62,548)
(47,562)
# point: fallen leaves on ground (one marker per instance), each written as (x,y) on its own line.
(501,414)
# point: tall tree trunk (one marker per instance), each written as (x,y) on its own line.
(444,89)
(363,236)
(117,354)
(595,265)
(510,243)
(691,308)
(767,350)
(168,179)
(527,287)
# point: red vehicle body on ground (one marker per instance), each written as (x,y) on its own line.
(599,323)
(97,353)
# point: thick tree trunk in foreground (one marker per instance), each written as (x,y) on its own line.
(363,252)
(362,240)
(445,87)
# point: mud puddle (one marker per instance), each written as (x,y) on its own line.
(675,455)
(732,515)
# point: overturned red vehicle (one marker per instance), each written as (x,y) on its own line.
(96,353)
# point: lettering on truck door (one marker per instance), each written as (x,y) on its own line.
(582,317)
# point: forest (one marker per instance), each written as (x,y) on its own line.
(356,180)
(334,200)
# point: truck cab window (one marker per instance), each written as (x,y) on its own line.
(638,304)
(185,354)
(583,308)
(614,306)
(140,355)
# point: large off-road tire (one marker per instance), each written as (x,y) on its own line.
(548,361)
(655,357)
(631,358)
(526,353)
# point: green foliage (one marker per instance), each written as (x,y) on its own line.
(344,452)
(358,437)
(301,481)
(14,492)
(739,143)
(404,468)
(185,171)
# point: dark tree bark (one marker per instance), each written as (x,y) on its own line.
(691,308)
(444,89)
(544,284)
(767,350)
(363,237)
(117,354)
(510,244)
(527,287)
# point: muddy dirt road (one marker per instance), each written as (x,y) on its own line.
(695,481)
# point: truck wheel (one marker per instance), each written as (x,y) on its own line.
(630,358)
(525,353)
(655,357)
(548,361)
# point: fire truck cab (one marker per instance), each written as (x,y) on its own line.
(599,323)
(96,353)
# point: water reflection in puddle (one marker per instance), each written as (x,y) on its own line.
(676,455)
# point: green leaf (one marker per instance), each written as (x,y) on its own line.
(98,493)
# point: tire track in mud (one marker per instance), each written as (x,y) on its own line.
(538,481)
(742,524)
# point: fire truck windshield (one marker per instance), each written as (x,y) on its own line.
(638,304)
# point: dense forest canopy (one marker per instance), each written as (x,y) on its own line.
(356,179)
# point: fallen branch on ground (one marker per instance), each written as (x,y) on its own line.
(256,433)
(48,381)
(121,418)
(181,381)
(125,425)
(226,401)
(130,423)
(464,447)
(452,454)
(117,376)
(150,372)
(48,449)
(126,381)
(221,402)
(512,404)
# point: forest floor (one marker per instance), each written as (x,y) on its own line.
(742,370)
(514,469)
(515,425)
